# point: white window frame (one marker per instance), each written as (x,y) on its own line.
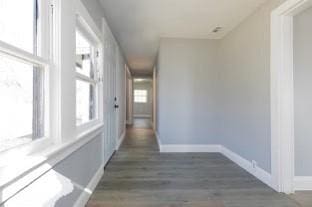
(41,155)
(43,59)
(88,29)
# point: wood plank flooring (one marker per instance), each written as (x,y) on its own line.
(138,176)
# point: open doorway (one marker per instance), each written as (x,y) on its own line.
(142,102)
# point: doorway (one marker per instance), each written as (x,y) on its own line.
(142,102)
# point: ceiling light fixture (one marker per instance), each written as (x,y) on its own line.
(217,29)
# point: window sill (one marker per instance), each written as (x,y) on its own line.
(14,177)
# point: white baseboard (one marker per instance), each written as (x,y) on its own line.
(189,148)
(142,116)
(120,140)
(87,192)
(303,183)
(158,140)
(258,172)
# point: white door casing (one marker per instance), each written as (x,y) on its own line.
(110,134)
(282,94)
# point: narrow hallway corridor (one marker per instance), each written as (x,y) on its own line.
(138,175)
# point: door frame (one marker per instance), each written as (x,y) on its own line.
(282,94)
(109,84)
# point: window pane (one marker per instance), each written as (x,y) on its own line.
(18,87)
(85,102)
(140,96)
(84,56)
(17,23)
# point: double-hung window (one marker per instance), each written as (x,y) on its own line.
(87,76)
(24,68)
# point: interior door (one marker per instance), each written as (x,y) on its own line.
(110,112)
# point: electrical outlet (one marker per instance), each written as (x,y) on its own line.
(254,164)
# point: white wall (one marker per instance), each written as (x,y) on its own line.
(187,90)
(144,109)
(302,93)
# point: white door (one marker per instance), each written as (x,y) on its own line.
(110,105)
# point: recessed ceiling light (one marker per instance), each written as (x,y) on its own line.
(217,29)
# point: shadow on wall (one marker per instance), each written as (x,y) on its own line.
(63,183)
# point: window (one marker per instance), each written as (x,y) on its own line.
(22,73)
(140,96)
(86,82)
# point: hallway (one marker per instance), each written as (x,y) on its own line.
(138,175)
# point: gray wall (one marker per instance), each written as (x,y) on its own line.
(218,92)
(129,111)
(244,113)
(144,109)
(62,185)
(302,92)
(187,88)
(95,10)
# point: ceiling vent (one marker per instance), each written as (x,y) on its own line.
(217,29)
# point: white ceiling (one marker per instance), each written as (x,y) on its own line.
(139,24)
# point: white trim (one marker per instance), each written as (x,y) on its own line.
(85,78)
(89,29)
(120,140)
(258,172)
(16,52)
(282,96)
(87,192)
(168,148)
(158,140)
(154,98)
(303,183)
(41,163)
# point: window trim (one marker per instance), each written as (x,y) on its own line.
(43,154)
(25,56)
(43,59)
(87,28)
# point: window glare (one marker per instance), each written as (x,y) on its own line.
(16,105)
(140,96)
(17,23)
(83,55)
(85,102)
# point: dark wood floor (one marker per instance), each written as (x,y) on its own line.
(138,175)
(142,123)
